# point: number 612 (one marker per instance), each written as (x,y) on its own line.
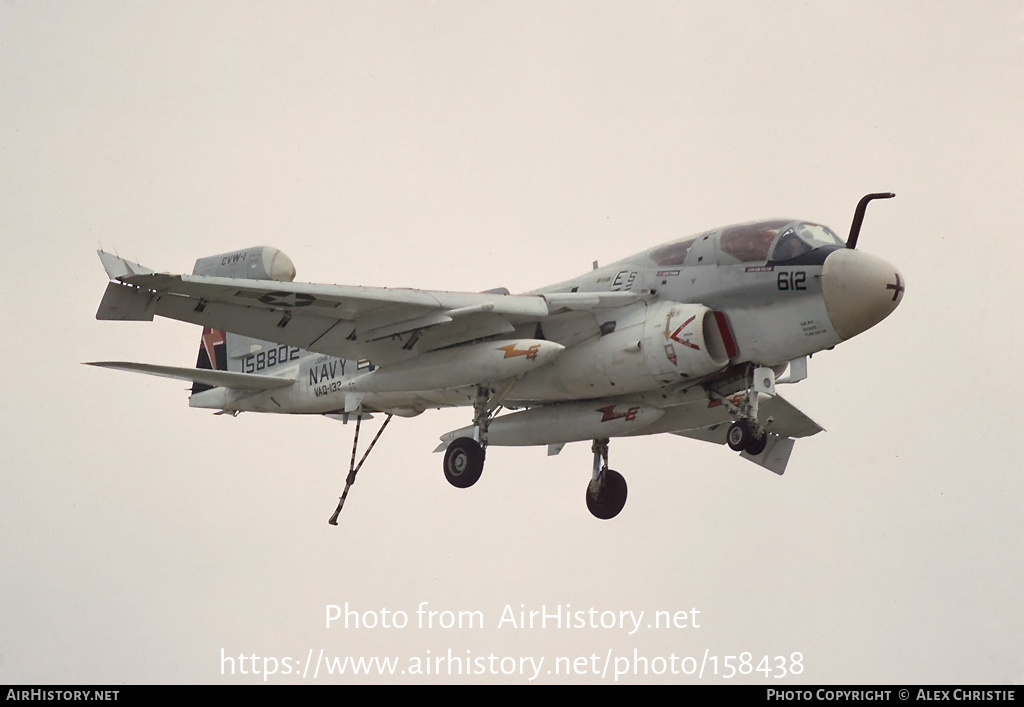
(792,280)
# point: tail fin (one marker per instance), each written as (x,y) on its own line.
(213,355)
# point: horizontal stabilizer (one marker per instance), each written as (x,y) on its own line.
(218,379)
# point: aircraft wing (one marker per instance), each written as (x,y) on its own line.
(783,418)
(332,319)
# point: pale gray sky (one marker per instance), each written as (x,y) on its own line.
(466,146)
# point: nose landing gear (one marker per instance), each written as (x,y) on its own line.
(743,438)
(747,433)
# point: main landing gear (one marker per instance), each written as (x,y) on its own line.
(606,493)
(464,461)
(464,458)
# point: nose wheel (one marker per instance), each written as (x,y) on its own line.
(757,445)
(742,437)
(740,434)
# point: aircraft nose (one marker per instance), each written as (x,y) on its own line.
(860,290)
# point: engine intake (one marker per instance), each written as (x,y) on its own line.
(650,345)
(683,341)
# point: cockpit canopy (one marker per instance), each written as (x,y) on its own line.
(760,241)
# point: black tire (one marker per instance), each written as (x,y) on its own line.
(612,498)
(739,436)
(463,462)
(757,444)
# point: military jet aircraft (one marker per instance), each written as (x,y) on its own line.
(688,338)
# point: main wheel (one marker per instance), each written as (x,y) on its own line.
(612,498)
(463,462)
(739,435)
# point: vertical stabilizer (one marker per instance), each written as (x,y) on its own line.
(246,355)
(212,355)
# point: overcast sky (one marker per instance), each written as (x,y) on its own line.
(466,146)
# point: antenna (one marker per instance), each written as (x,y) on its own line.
(858,216)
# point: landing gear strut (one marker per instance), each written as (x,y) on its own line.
(747,434)
(606,493)
(464,458)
